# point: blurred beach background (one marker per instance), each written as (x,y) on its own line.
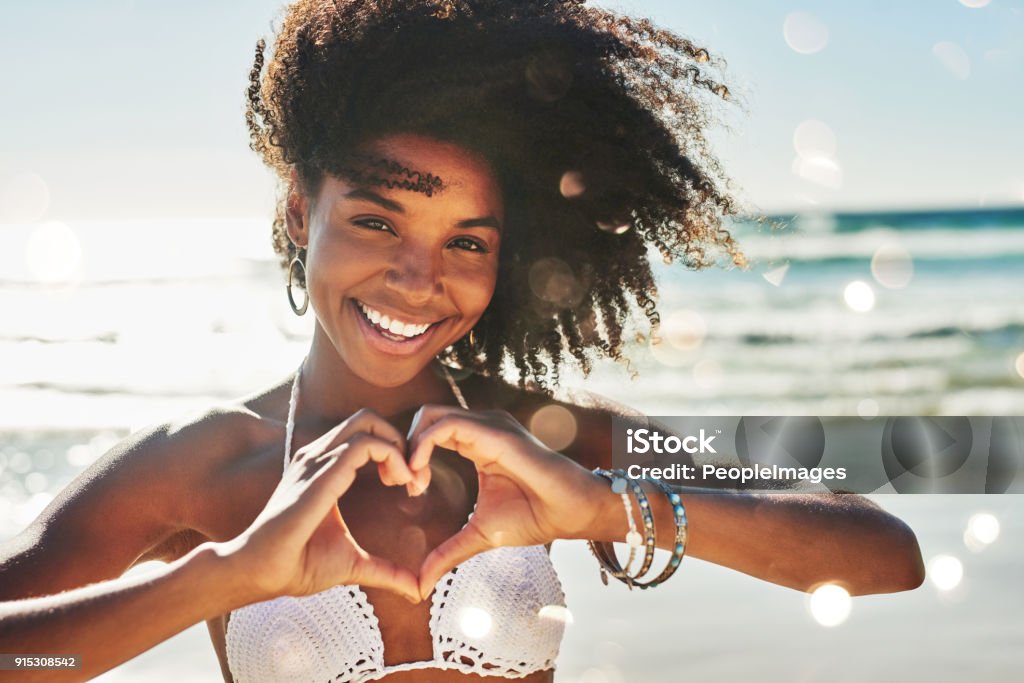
(137,284)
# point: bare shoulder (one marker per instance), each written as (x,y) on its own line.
(127,506)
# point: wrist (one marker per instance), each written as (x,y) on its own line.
(217,565)
(611,523)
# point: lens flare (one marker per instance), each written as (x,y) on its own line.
(867,408)
(475,622)
(555,426)
(571,185)
(946,572)
(830,605)
(892,266)
(820,170)
(859,296)
(552,280)
(983,527)
(775,276)
(685,330)
(558,613)
(804,33)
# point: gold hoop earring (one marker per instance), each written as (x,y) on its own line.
(298,310)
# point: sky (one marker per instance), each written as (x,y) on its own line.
(133,109)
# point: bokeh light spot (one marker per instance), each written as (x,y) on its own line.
(867,408)
(571,185)
(1019,365)
(946,572)
(983,527)
(804,33)
(36,482)
(820,170)
(683,329)
(775,276)
(614,227)
(555,426)
(892,266)
(975,4)
(475,622)
(859,296)
(830,605)
(552,280)
(558,613)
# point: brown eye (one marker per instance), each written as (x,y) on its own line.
(468,244)
(374,224)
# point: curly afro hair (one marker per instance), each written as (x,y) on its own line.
(593,121)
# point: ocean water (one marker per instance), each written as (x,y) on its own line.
(109,327)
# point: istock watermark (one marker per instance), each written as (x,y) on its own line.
(899,454)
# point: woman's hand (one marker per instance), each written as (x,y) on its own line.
(299,544)
(528,494)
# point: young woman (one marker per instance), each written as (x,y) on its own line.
(470,189)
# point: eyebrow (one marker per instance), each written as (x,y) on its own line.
(374,198)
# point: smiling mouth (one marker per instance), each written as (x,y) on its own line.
(393,329)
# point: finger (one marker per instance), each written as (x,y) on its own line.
(347,458)
(363,420)
(427,416)
(463,434)
(390,459)
(453,552)
(370,570)
(424,418)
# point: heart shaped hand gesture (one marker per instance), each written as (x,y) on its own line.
(299,544)
(528,494)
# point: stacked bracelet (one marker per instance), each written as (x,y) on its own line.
(679,513)
(604,551)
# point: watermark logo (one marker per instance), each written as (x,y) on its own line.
(644,441)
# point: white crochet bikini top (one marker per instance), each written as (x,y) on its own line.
(500,613)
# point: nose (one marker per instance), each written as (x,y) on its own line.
(415,274)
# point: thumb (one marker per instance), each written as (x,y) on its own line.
(453,552)
(370,570)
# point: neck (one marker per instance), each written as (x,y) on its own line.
(331,391)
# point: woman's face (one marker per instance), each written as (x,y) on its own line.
(395,276)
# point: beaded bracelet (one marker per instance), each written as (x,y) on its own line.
(633,539)
(605,552)
(679,549)
(606,555)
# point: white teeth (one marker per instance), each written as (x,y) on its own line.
(393,326)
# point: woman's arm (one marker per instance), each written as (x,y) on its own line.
(532,495)
(797,540)
(792,539)
(108,623)
(297,545)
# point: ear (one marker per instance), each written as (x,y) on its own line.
(297,212)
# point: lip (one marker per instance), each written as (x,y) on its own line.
(382,344)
